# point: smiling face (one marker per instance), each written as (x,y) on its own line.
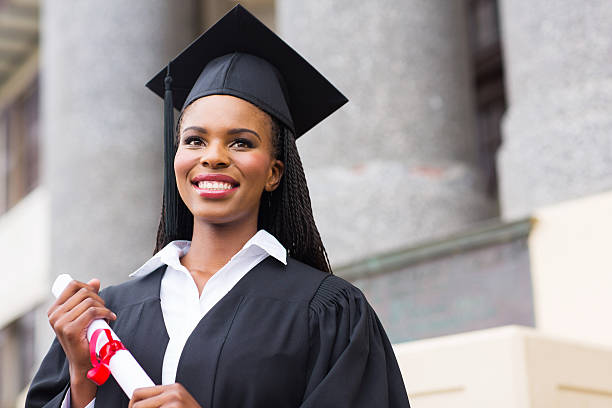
(225,159)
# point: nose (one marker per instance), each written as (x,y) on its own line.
(215,156)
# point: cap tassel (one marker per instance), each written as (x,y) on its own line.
(170,190)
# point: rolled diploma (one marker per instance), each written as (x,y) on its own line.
(123,366)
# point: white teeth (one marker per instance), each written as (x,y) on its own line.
(214,185)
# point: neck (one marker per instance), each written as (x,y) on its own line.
(213,245)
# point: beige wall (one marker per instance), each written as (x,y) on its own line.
(478,369)
(24,248)
(571,267)
(513,367)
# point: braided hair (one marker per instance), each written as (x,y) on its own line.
(285,212)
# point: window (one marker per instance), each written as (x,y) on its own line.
(19,148)
(16,357)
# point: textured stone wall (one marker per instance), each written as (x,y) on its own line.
(557,135)
(470,290)
(102,130)
(395,165)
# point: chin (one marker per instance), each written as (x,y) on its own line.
(222,216)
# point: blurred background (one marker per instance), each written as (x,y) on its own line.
(466,188)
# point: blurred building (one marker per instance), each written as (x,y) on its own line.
(466,186)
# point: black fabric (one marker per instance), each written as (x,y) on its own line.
(282,337)
(247,77)
(267,73)
(171,196)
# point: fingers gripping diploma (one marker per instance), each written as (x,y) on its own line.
(172,395)
(71,314)
(73,311)
(78,318)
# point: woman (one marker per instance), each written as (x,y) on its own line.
(246,313)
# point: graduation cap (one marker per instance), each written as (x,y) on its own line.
(240,56)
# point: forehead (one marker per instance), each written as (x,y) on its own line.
(224,111)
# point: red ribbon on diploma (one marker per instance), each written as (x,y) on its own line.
(101,371)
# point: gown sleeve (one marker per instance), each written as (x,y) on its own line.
(351,362)
(52,380)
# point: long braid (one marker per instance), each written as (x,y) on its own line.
(289,217)
(184,230)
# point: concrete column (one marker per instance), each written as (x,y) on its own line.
(557,133)
(397,164)
(102,130)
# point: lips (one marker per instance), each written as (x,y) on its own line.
(223,178)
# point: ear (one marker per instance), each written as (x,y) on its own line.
(277,168)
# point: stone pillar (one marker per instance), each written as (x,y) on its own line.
(102,130)
(557,133)
(397,164)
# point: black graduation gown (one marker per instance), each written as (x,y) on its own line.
(284,336)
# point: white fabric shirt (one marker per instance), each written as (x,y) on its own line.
(182,306)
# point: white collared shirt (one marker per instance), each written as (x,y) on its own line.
(182,306)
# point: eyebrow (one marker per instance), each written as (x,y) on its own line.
(231,132)
(242,130)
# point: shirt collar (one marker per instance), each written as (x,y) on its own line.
(170,254)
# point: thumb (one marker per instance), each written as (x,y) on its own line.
(95,284)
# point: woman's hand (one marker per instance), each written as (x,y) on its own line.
(70,315)
(172,395)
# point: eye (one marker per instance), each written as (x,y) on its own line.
(241,143)
(193,141)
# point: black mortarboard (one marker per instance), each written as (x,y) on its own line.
(242,57)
